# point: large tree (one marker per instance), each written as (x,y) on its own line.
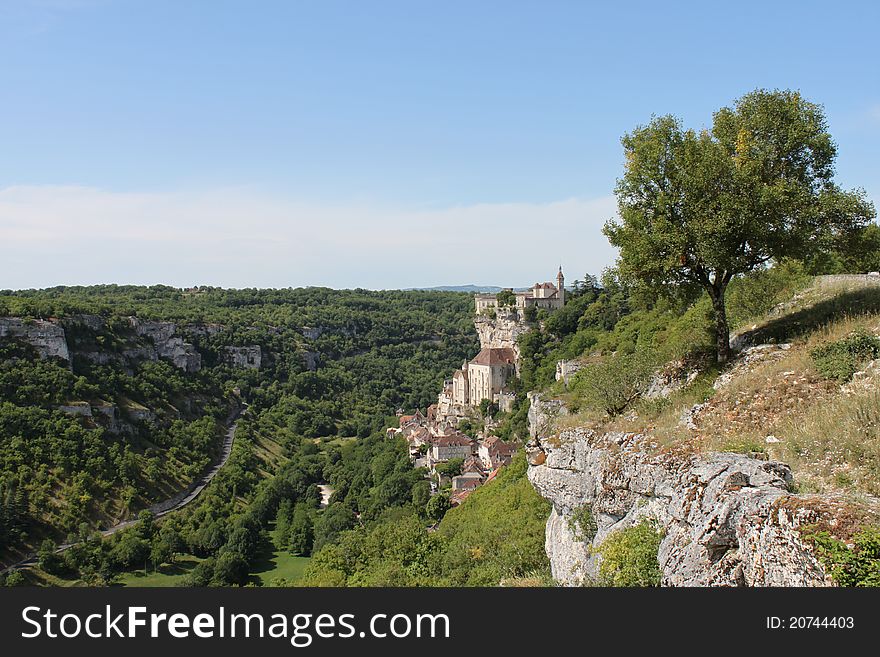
(699,208)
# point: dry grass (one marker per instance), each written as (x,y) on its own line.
(829,436)
(830,439)
(835,445)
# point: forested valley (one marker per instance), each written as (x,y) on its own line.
(154,376)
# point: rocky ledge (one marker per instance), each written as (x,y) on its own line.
(727,519)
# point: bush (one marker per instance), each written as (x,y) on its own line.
(583,524)
(450,468)
(855,566)
(15,578)
(629,556)
(752,296)
(506,298)
(841,359)
(49,559)
(614,383)
(231,568)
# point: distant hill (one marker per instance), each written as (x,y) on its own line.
(487,289)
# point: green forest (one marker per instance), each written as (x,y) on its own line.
(91,441)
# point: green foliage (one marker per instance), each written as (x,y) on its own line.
(48,558)
(583,524)
(395,552)
(629,556)
(497,533)
(450,468)
(506,298)
(699,208)
(488,408)
(374,351)
(301,535)
(231,568)
(15,578)
(166,544)
(855,565)
(336,519)
(856,252)
(842,358)
(745,446)
(437,507)
(615,382)
(752,296)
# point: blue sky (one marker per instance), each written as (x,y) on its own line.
(375,144)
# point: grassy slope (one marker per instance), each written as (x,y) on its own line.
(828,434)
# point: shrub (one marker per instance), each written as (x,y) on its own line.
(752,296)
(842,358)
(15,578)
(450,468)
(629,556)
(858,565)
(614,383)
(583,524)
(506,298)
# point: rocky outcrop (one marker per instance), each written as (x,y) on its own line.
(181,354)
(108,415)
(502,330)
(243,357)
(543,414)
(727,519)
(47,338)
(315,332)
(670,379)
(312,333)
(92,322)
(203,330)
(311,359)
(81,409)
(565,369)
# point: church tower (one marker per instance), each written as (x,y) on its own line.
(560,285)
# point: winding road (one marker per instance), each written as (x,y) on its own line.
(164,507)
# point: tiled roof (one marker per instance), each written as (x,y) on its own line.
(490,356)
(459,440)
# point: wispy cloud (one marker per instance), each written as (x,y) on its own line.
(241,237)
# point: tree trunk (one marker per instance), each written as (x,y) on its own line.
(722,331)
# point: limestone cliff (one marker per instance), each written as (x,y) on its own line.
(168,345)
(249,357)
(728,520)
(501,330)
(46,337)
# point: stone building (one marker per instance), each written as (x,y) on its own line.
(485,377)
(488,374)
(453,446)
(540,295)
(494,452)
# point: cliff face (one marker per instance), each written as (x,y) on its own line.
(728,520)
(46,337)
(501,331)
(244,357)
(167,345)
